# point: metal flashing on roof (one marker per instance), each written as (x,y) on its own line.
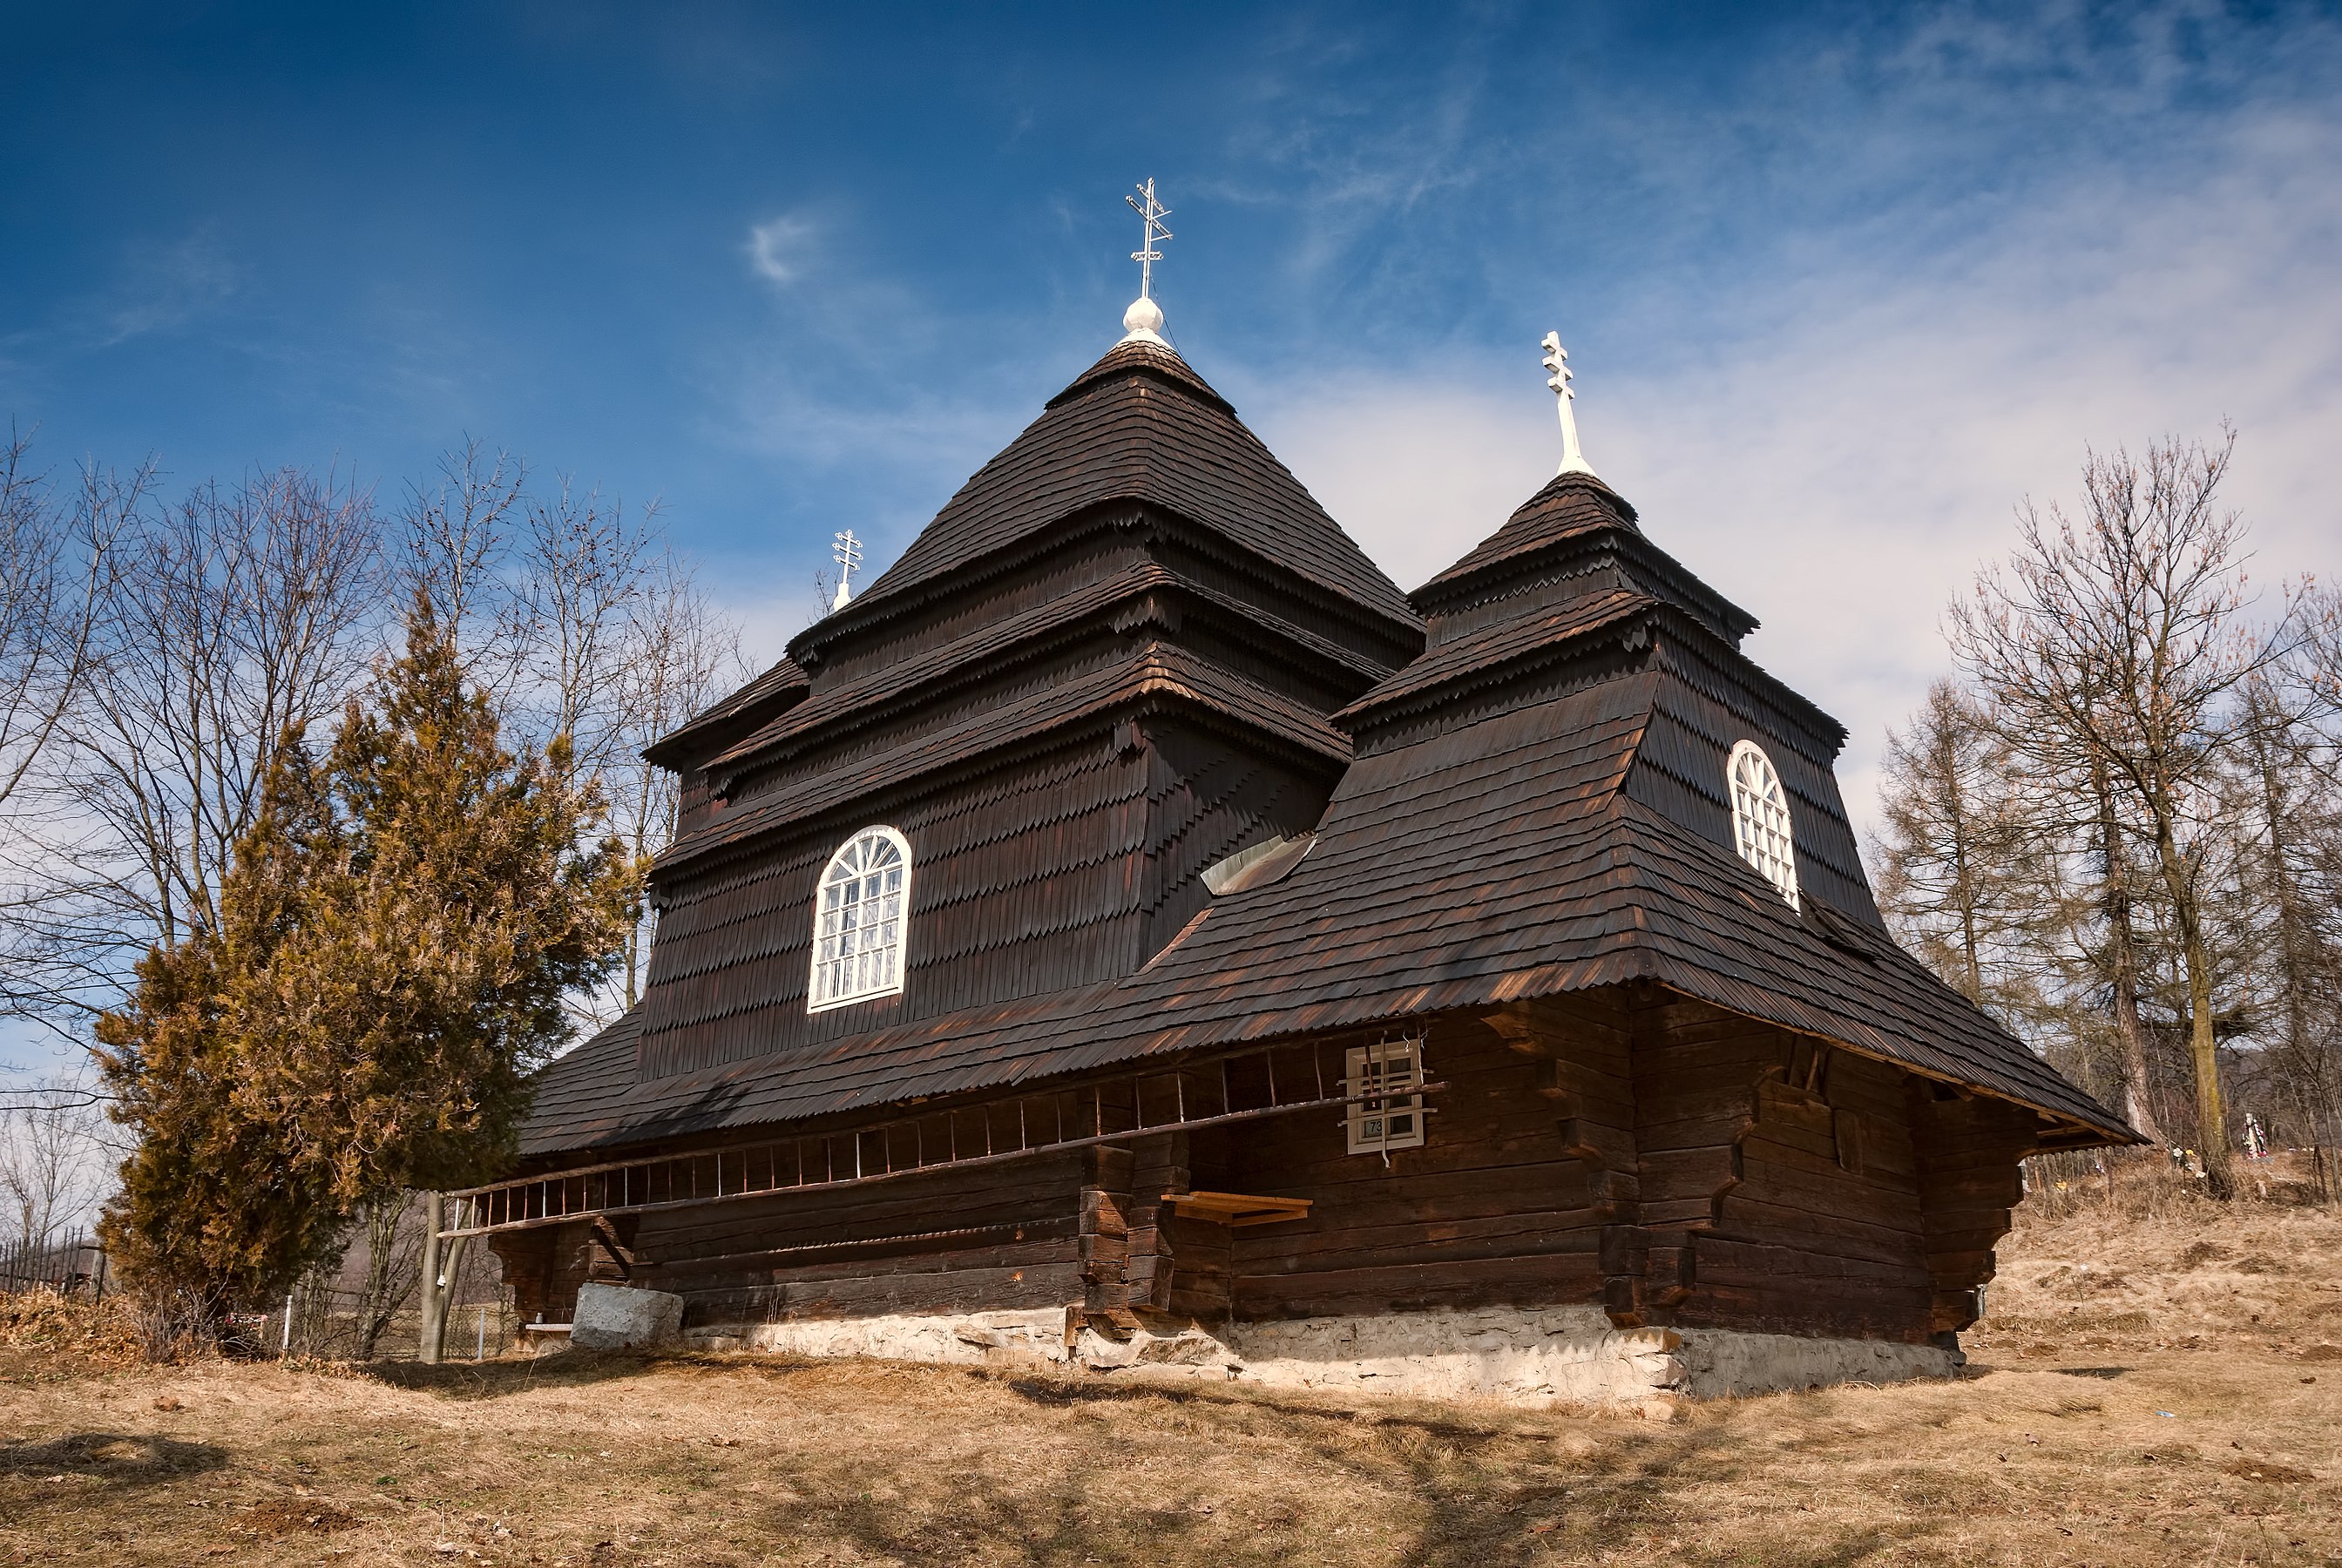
(1266,862)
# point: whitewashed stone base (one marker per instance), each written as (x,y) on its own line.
(974,1339)
(1557,1356)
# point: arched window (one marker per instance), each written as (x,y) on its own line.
(1760,818)
(857,923)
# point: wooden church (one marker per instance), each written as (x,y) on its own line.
(1132,933)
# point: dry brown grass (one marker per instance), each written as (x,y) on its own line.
(62,1335)
(2057,1451)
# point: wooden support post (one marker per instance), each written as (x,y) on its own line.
(434,1208)
(440,1263)
(450,1260)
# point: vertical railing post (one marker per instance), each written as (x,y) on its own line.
(434,1320)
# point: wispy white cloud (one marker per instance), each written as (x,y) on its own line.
(1837,305)
(1846,464)
(838,392)
(781,249)
(166,284)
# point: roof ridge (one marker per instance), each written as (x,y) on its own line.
(785,677)
(1589,505)
(1134,355)
(860,696)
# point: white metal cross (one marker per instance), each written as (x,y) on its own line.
(1557,361)
(848,551)
(1152,213)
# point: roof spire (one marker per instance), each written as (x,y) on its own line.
(1556,360)
(848,551)
(1144,319)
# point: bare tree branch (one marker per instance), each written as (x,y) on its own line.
(2115,645)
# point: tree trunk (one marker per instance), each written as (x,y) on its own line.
(2122,954)
(2203,1049)
(2294,942)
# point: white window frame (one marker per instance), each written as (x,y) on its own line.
(1761,828)
(1387,1118)
(854,957)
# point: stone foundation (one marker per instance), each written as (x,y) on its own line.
(1541,1357)
(970,1340)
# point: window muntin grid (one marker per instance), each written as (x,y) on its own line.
(1391,1118)
(858,933)
(1760,819)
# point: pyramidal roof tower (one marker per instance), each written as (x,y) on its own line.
(1107,663)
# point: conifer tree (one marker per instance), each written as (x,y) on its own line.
(211,1212)
(1942,858)
(404,920)
(440,933)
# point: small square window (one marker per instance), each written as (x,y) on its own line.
(1387,1079)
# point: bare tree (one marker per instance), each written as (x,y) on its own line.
(152,703)
(680,652)
(56,1157)
(585,572)
(248,614)
(2118,640)
(392,1230)
(55,558)
(454,545)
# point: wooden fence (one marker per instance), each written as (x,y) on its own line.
(72,1264)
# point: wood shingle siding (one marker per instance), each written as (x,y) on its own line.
(1133,646)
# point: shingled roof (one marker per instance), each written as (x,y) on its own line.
(1139,425)
(1503,862)
(1575,525)
(1545,837)
(1535,806)
(777,689)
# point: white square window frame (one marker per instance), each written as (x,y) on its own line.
(1375,1072)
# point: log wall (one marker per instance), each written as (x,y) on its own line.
(992,1237)
(1669,1161)
(1494,1207)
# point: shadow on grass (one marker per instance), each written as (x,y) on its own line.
(1070,1391)
(1400,1483)
(1635,1489)
(1381,1486)
(494,1379)
(1075,1391)
(560,1369)
(131,1458)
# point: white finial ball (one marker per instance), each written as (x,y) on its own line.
(1144,315)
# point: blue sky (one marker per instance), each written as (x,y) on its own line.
(1841,283)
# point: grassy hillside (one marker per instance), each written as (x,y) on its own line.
(2159,1380)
